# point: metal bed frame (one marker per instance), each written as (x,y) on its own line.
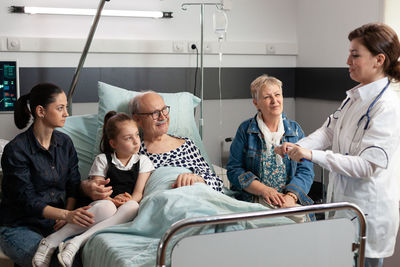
(358,247)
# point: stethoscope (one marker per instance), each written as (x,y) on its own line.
(366,117)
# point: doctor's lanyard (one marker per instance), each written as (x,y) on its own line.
(360,130)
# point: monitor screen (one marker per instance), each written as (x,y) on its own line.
(9,87)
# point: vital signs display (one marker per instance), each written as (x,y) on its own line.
(9,87)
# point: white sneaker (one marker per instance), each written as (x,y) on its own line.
(67,253)
(43,254)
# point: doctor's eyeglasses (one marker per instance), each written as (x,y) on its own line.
(157,113)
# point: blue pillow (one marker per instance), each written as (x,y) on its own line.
(82,130)
(182,122)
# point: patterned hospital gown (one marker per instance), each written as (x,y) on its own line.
(188,156)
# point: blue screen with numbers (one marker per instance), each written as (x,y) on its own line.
(9,87)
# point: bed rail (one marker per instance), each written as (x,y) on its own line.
(230,218)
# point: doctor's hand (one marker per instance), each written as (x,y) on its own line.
(283,149)
(272,196)
(96,189)
(185,179)
(298,153)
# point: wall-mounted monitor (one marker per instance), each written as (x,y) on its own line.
(9,85)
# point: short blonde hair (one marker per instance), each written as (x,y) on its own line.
(260,82)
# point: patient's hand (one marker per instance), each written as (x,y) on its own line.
(96,188)
(185,179)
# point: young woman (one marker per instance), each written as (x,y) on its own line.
(364,136)
(40,169)
(128,173)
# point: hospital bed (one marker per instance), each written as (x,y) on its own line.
(197,226)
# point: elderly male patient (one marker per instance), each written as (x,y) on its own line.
(152,115)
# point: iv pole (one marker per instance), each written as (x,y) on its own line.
(84,54)
(202,7)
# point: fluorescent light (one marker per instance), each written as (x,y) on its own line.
(89,12)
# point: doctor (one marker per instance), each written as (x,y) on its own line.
(364,135)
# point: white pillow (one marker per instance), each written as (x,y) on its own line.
(182,122)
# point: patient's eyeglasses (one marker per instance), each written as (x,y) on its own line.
(157,113)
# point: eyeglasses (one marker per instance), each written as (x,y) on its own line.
(157,113)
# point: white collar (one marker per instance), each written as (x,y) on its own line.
(369,91)
(118,163)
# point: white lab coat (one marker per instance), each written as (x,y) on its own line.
(362,164)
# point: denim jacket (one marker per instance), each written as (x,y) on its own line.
(244,164)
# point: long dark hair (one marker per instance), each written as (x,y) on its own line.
(42,94)
(379,38)
(111,130)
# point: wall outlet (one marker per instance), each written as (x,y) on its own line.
(271,49)
(13,44)
(193,50)
(207,47)
(178,46)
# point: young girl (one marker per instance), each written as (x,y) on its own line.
(128,173)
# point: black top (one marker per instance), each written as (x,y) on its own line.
(120,180)
(34,177)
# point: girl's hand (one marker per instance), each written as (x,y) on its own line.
(80,217)
(59,224)
(121,199)
(273,197)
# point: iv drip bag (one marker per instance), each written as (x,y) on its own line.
(220,21)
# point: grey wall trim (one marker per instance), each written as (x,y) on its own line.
(235,81)
(323,83)
(316,83)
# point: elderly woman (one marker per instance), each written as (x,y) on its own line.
(255,171)
(152,116)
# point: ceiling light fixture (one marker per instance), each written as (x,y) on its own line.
(88,12)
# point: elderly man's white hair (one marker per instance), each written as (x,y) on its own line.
(134,103)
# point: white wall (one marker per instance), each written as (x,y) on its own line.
(272,21)
(322,31)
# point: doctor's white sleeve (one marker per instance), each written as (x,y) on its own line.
(322,138)
(352,166)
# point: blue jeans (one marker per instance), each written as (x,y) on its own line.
(19,244)
(373,262)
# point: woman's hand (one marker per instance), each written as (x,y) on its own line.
(96,188)
(185,179)
(289,202)
(59,224)
(273,197)
(80,217)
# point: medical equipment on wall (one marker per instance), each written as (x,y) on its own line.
(220,22)
(202,11)
(364,121)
